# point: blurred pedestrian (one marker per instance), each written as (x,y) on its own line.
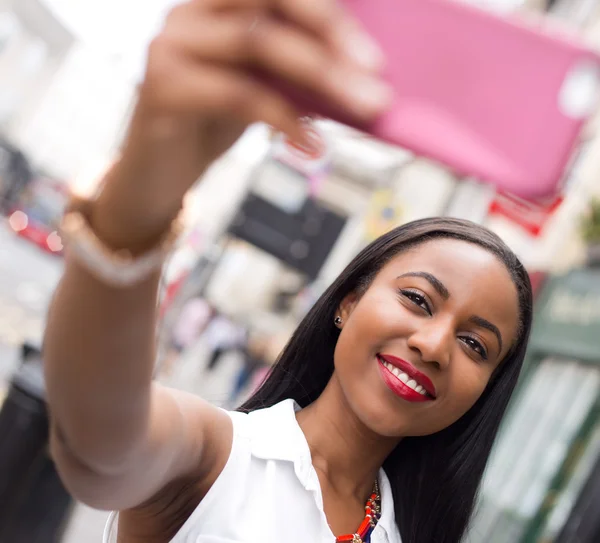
(254,360)
(223,335)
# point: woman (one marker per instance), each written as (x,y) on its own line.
(390,392)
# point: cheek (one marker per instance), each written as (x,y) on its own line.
(372,323)
(379,314)
(466,385)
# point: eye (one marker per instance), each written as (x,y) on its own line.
(475,346)
(417,299)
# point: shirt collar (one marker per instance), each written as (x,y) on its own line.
(276,435)
(387,522)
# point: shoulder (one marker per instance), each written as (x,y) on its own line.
(210,435)
(235,442)
(224,464)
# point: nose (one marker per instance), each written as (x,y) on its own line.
(433,341)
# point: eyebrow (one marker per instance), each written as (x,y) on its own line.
(432,279)
(479,321)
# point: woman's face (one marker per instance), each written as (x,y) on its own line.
(418,348)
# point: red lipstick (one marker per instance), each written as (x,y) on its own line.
(405,380)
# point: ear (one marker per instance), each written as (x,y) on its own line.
(346,307)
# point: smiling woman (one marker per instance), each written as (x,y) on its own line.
(432,322)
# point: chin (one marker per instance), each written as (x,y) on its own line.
(383,412)
(382,419)
(389,417)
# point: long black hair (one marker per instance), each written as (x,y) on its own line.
(435,478)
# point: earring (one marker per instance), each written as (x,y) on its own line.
(338,320)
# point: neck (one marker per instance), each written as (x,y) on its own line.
(343,449)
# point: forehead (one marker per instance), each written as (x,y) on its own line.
(476,279)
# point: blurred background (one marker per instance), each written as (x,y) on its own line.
(267,230)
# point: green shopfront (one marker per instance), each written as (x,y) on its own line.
(550,442)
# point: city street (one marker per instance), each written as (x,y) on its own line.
(28,277)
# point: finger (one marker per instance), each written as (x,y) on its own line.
(300,59)
(327,18)
(286,53)
(215,90)
(324,18)
(202,10)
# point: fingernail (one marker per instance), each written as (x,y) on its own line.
(361,49)
(369,94)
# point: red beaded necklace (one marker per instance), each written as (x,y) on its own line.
(372,515)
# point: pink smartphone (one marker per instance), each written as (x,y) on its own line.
(489,97)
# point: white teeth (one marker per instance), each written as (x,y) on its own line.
(421,391)
(405,378)
(393,369)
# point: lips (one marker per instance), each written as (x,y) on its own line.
(400,367)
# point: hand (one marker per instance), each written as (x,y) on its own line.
(198,94)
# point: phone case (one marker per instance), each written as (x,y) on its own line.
(487,96)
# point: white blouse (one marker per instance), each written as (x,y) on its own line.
(269,492)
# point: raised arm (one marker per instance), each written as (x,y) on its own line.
(118,438)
